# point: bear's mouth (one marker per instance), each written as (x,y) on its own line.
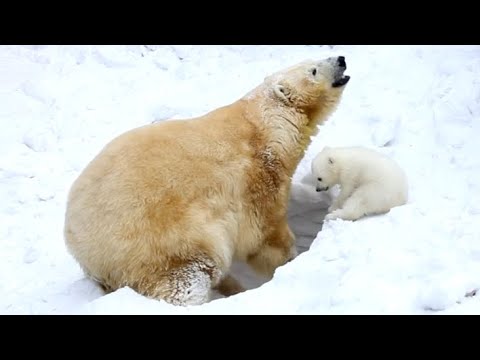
(325,188)
(341,81)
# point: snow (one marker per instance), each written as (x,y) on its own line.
(420,105)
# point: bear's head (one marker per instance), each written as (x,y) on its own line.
(313,88)
(324,169)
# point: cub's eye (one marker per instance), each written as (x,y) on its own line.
(319,179)
(314,72)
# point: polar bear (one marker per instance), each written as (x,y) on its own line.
(167,207)
(370,182)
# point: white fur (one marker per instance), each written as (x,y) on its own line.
(370,182)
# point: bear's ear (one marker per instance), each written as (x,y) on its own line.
(330,160)
(282,92)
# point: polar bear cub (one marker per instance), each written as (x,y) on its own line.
(370,182)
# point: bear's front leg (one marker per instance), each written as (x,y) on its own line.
(354,207)
(229,286)
(345,192)
(277,249)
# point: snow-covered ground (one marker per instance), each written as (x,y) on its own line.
(421,105)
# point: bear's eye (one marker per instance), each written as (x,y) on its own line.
(319,179)
(314,72)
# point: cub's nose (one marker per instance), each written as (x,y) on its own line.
(341,61)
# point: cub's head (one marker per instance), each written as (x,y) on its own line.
(325,169)
(311,87)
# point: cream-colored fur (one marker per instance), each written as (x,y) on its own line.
(166,208)
(370,182)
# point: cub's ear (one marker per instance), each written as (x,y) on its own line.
(330,160)
(282,92)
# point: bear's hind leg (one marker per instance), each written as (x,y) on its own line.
(189,283)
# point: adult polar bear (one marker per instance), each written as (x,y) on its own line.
(166,208)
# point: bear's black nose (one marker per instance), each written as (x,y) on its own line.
(341,61)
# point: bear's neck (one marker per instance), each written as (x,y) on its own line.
(285,132)
(288,142)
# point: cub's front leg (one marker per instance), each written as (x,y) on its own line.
(277,249)
(345,192)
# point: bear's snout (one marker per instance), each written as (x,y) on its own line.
(339,78)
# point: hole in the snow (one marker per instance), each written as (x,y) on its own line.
(471,293)
(305,219)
